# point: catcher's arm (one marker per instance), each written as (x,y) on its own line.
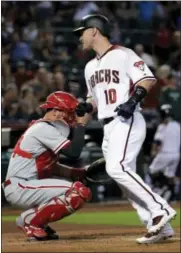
(76,136)
(68,172)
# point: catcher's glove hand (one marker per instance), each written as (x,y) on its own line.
(96,172)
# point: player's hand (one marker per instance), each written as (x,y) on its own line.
(126,110)
(83,108)
(83,120)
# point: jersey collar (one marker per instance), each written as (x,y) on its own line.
(108,50)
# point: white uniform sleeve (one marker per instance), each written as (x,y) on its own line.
(137,70)
(159,133)
(52,137)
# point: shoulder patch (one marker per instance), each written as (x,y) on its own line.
(140,65)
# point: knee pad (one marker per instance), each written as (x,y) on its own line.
(60,207)
(52,211)
(77,195)
(83,191)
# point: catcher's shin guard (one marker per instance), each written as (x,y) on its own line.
(60,207)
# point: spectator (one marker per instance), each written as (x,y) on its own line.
(58,82)
(85,8)
(28,101)
(162,43)
(148,59)
(122,13)
(170,94)
(146,13)
(175,57)
(163,72)
(115,34)
(73,85)
(21,75)
(43,46)
(44,12)
(20,50)
(30,32)
(37,111)
(41,82)
(6,70)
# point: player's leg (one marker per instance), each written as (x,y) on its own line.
(145,217)
(51,199)
(131,135)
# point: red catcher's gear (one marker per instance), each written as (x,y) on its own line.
(62,101)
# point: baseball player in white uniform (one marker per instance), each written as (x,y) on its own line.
(30,181)
(166,149)
(117,80)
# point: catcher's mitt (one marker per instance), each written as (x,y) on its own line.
(96,172)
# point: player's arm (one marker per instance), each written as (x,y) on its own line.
(60,141)
(156,146)
(89,106)
(140,75)
(157,141)
(143,81)
(61,170)
(74,149)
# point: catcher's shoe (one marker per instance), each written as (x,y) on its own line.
(52,235)
(166,233)
(160,221)
(41,234)
(33,233)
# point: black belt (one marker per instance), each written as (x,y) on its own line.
(107,120)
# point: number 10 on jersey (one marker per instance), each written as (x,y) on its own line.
(110,96)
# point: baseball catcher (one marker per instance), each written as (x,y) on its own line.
(30,182)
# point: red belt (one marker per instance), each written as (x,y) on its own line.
(6,183)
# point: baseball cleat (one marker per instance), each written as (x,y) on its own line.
(35,233)
(160,221)
(166,233)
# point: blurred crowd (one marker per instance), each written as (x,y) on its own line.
(40,53)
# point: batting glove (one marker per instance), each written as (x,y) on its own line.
(126,110)
(83,108)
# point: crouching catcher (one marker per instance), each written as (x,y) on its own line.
(36,182)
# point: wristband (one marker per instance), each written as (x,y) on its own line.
(138,94)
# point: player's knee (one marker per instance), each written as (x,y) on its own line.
(112,169)
(83,191)
(77,195)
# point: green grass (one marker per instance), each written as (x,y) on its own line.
(127,218)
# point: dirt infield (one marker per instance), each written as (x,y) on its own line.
(85,238)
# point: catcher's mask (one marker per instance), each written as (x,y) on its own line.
(62,101)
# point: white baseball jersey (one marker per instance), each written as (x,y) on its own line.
(169,135)
(111,78)
(36,151)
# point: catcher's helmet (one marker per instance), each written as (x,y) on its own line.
(94,21)
(62,101)
(166,111)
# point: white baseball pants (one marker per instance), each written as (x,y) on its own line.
(121,145)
